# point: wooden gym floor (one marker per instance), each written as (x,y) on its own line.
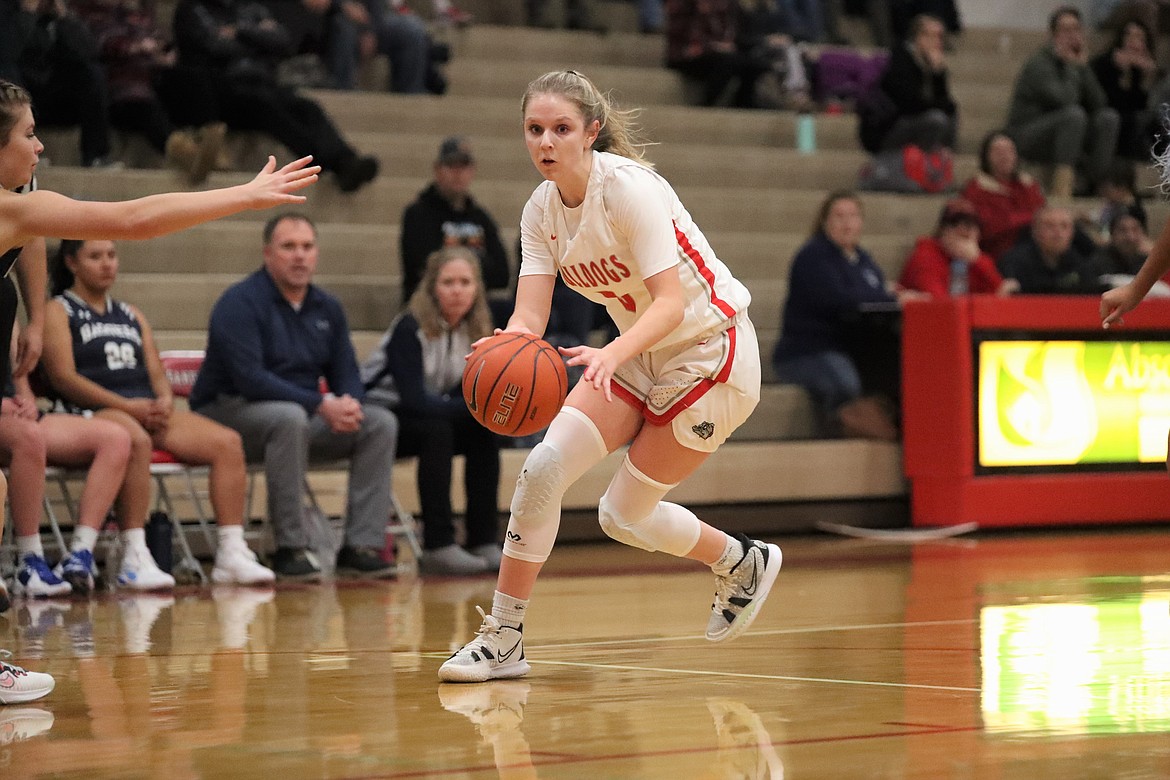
(1025,655)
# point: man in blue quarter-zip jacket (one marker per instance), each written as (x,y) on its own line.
(274,338)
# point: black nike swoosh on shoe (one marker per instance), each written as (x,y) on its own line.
(505,656)
(755,582)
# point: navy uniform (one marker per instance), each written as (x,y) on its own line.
(107,347)
(8,300)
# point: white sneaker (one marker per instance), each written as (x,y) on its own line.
(236,564)
(140,572)
(738,596)
(20,723)
(496,653)
(139,613)
(35,580)
(18,686)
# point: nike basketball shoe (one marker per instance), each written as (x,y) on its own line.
(496,653)
(739,594)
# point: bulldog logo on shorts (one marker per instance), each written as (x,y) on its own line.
(704,430)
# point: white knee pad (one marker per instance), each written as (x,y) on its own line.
(632,512)
(571,446)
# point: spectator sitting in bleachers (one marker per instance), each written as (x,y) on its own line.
(148,94)
(358,29)
(950,262)
(240,43)
(1059,113)
(1129,246)
(774,73)
(700,44)
(1049,263)
(1005,197)
(56,59)
(828,345)
(1127,72)
(445,215)
(579,15)
(273,339)
(918,108)
(417,371)
(100,358)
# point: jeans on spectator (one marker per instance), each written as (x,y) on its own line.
(285,438)
(404,39)
(1068,136)
(76,94)
(830,377)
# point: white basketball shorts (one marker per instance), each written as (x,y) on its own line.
(704,390)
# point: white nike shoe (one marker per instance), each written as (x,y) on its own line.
(738,596)
(140,572)
(18,685)
(496,653)
(236,564)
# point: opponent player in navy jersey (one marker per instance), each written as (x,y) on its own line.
(685,367)
(25,218)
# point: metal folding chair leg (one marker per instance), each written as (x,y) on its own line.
(187,559)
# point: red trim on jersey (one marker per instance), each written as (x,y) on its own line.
(705,272)
(688,400)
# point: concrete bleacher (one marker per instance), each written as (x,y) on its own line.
(738,172)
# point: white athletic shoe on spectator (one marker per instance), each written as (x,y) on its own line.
(236,564)
(739,595)
(140,572)
(18,685)
(496,653)
(35,580)
(20,723)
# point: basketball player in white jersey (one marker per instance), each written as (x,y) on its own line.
(681,376)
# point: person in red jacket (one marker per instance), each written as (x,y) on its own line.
(1004,197)
(950,262)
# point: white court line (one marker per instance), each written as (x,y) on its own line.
(773,632)
(778,677)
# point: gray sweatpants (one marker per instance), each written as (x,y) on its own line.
(1070,136)
(282,436)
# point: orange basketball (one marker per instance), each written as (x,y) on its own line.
(515,383)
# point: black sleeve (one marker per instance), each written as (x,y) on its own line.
(497,273)
(416,245)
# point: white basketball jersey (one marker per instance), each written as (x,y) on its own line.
(631,226)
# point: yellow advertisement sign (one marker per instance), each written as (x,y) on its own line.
(1057,403)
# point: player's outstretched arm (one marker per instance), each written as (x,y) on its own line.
(44,213)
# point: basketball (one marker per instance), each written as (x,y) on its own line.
(515,383)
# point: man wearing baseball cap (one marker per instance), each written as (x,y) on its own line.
(445,214)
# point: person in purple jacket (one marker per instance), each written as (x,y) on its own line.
(828,344)
(272,338)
